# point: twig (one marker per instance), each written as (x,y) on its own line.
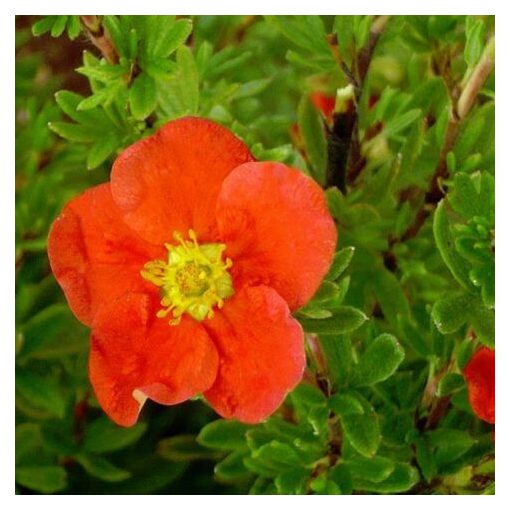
(458,113)
(344,150)
(100,38)
(365,57)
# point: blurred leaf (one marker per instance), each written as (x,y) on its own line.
(223,435)
(102,435)
(183,448)
(51,333)
(232,467)
(42,393)
(45,479)
(312,131)
(474,41)
(28,440)
(101,468)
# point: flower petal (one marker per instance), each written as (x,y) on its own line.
(94,256)
(261,353)
(480,377)
(277,228)
(170,181)
(135,356)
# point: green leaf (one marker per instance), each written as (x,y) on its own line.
(223,435)
(341,475)
(362,432)
(483,321)
(45,479)
(293,481)
(183,448)
(170,36)
(465,199)
(450,313)
(475,31)
(341,261)
(312,131)
(142,96)
(401,122)
(278,454)
(445,242)
(338,352)
(102,435)
(403,478)
(101,150)
(72,132)
(252,88)
(344,320)
(346,403)
(59,26)
(101,468)
(374,470)
(450,444)
(390,296)
(41,393)
(327,290)
(323,486)
(262,486)
(306,32)
(188,80)
(232,468)
(28,440)
(73,27)
(425,458)
(42,26)
(380,360)
(46,334)
(450,383)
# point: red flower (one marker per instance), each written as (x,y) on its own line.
(479,374)
(186,266)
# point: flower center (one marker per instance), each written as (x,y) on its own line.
(193,280)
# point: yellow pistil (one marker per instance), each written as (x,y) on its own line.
(193,280)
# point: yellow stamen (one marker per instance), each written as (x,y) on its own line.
(193,280)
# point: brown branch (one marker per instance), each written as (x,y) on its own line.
(100,38)
(458,113)
(365,56)
(344,150)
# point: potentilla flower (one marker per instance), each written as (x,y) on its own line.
(480,377)
(187,266)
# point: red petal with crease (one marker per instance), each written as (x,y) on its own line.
(480,377)
(94,256)
(261,353)
(136,356)
(170,181)
(277,228)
